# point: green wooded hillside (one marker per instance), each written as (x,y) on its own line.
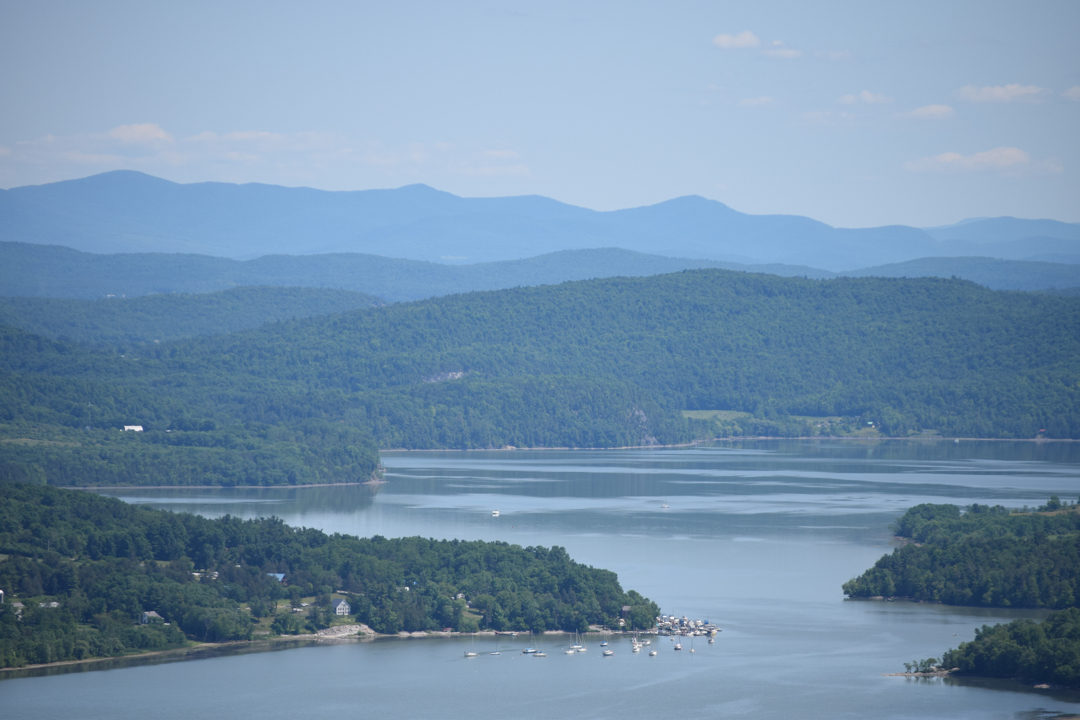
(983,556)
(599,363)
(124,322)
(1046,652)
(106,562)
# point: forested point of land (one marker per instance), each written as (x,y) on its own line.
(1044,652)
(601,363)
(983,556)
(105,563)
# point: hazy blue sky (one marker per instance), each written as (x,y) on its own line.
(855,113)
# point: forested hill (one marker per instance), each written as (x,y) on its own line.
(982,556)
(126,321)
(598,363)
(51,271)
(905,353)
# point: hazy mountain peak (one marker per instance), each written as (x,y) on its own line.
(130,211)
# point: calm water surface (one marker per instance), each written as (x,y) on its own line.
(757,537)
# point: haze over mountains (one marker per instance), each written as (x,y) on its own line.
(127,212)
(51,271)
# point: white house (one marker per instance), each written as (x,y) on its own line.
(149,617)
(133,428)
(341,607)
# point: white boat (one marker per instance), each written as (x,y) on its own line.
(678,646)
(494,513)
(570,651)
(603,644)
(652,654)
(637,648)
(712,640)
(528,651)
(609,653)
(470,654)
(539,654)
(582,649)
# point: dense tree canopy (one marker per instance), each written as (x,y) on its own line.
(983,556)
(126,322)
(106,562)
(1046,652)
(601,363)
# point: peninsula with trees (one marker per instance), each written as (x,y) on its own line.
(87,576)
(990,556)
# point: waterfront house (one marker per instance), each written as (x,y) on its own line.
(151,617)
(341,607)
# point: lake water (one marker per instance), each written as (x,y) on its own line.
(757,537)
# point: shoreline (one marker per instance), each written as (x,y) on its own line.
(377,482)
(326,636)
(935,438)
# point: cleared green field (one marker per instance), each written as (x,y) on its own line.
(714,414)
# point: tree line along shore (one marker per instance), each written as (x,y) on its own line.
(91,576)
(616,362)
(991,556)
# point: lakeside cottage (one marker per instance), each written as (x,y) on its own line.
(151,617)
(341,607)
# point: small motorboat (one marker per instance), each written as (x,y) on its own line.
(678,646)
(539,654)
(528,651)
(652,653)
(470,654)
(494,513)
(609,653)
(603,644)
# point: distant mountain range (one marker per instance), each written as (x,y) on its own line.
(51,271)
(127,212)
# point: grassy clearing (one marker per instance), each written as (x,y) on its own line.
(715,414)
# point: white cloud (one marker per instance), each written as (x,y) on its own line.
(745,39)
(245,155)
(140,134)
(867,97)
(1072,93)
(996,159)
(756,102)
(931,112)
(1001,93)
(783,53)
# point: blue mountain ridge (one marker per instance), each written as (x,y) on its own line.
(126,211)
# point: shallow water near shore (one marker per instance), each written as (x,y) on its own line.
(757,537)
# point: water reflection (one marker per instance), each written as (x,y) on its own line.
(758,536)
